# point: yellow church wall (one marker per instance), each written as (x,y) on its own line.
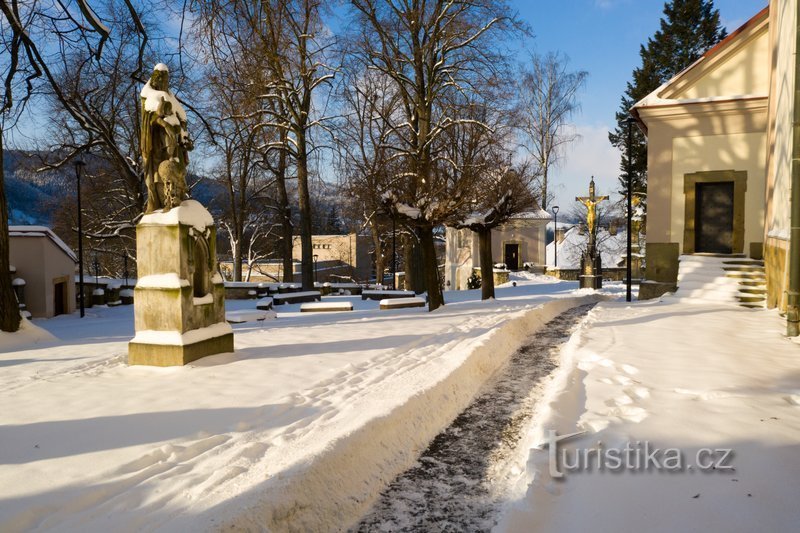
(737,151)
(703,137)
(778,189)
(744,72)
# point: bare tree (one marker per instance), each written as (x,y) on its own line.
(30,31)
(429,50)
(363,139)
(547,100)
(291,43)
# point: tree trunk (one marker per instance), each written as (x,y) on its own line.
(9,308)
(287,237)
(430,267)
(306,257)
(376,242)
(487,267)
(236,253)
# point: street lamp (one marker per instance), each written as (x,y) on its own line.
(629,270)
(394,255)
(315,268)
(555,235)
(78,167)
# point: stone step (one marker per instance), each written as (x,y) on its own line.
(755,276)
(747,290)
(752,299)
(753,306)
(743,268)
(747,262)
(708,254)
(752,283)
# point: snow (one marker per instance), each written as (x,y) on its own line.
(98,292)
(678,375)
(27,335)
(153,97)
(203,300)
(612,248)
(315,413)
(326,306)
(42,231)
(246,315)
(162,281)
(254,438)
(128,293)
(396,302)
(176,338)
(17,282)
(189,213)
(386,291)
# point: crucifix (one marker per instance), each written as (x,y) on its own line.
(591,202)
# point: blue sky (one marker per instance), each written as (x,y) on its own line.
(603,38)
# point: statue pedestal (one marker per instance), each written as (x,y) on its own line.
(179,302)
(591,276)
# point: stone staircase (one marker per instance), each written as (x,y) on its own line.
(734,279)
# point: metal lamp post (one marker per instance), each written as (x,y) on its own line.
(78,167)
(629,270)
(394,255)
(555,236)
(315,268)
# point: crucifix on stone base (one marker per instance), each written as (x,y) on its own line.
(591,268)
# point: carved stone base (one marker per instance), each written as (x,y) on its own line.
(177,355)
(179,303)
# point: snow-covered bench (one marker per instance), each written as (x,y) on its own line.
(341,288)
(402,303)
(264,304)
(322,307)
(247,315)
(383,294)
(240,290)
(296,297)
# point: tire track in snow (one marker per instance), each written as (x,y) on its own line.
(451,487)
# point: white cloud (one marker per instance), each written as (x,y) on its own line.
(591,155)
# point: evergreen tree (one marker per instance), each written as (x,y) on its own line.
(688,29)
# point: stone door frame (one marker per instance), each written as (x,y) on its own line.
(690,181)
(518,243)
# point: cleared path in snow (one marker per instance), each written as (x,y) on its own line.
(451,487)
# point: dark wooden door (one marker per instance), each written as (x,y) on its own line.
(512,256)
(714,217)
(60,298)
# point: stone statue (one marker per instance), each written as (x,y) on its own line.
(165,143)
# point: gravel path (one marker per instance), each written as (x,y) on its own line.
(450,488)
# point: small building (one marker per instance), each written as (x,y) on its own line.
(338,256)
(518,244)
(708,132)
(47,265)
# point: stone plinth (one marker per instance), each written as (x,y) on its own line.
(591,272)
(179,302)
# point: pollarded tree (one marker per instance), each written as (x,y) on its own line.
(429,51)
(548,94)
(688,29)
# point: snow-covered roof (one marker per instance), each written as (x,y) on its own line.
(665,95)
(533,214)
(42,231)
(612,248)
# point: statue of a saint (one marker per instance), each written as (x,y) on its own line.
(165,142)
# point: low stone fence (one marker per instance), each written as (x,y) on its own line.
(571,274)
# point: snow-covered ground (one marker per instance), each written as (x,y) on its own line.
(718,384)
(298,429)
